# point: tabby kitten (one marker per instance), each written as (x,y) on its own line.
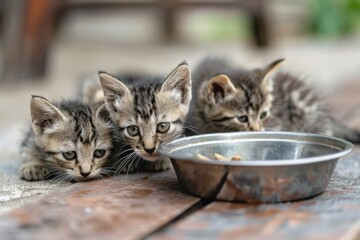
(149,111)
(68,141)
(229,98)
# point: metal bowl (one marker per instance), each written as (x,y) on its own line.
(276,166)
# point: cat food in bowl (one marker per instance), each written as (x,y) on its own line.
(219,157)
(274,166)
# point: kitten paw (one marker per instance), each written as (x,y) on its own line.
(33,172)
(158,166)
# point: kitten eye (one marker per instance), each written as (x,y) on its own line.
(98,153)
(263,115)
(163,127)
(133,130)
(243,119)
(70,155)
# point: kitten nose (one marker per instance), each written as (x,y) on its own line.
(85,170)
(255,127)
(149,150)
(84,174)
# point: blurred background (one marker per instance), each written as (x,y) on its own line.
(48,46)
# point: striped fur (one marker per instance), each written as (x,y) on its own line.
(229,98)
(69,141)
(149,111)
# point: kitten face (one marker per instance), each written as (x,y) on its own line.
(242,103)
(149,114)
(76,140)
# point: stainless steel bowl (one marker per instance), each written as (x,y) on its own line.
(276,166)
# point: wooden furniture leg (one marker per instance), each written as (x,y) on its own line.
(28,26)
(260,25)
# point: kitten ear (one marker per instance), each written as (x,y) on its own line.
(271,68)
(103,113)
(179,81)
(44,114)
(266,74)
(114,90)
(218,88)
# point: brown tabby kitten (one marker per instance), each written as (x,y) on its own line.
(69,141)
(149,111)
(229,98)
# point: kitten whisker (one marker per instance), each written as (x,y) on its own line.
(121,147)
(61,178)
(135,157)
(127,150)
(123,162)
(192,129)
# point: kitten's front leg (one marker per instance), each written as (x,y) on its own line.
(158,165)
(33,171)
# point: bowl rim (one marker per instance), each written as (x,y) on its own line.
(168,148)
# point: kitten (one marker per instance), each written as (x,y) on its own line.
(69,141)
(149,111)
(229,98)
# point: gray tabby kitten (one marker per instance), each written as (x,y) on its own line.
(229,98)
(69,141)
(149,111)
